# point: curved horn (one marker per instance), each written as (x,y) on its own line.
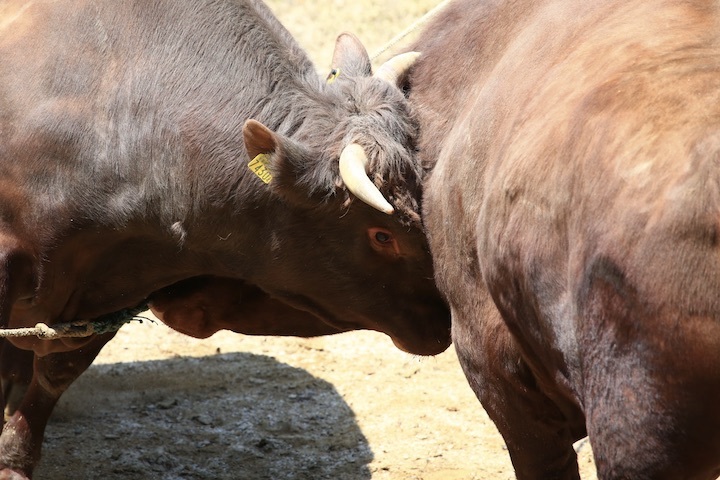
(394,68)
(353,171)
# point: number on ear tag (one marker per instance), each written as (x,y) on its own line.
(258,165)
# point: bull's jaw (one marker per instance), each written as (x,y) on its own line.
(417,345)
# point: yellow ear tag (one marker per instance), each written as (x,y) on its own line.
(258,165)
(332,76)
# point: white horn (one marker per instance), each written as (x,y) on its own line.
(393,69)
(353,171)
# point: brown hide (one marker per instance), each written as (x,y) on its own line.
(125,129)
(124,170)
(573,213)
(205,305)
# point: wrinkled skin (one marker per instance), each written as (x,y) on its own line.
(126,129)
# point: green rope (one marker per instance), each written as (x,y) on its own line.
(113,321)
(110,322)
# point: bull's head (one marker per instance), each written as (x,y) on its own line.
(361,146)
(350,60)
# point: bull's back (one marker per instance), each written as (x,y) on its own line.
(571,126)
(105,100)
(101,56)
(608,147)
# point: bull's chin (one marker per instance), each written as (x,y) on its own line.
(418,346)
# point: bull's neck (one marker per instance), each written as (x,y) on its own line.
(171,114)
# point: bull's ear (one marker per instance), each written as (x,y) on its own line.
(259,139)
(351,57)
(279,161)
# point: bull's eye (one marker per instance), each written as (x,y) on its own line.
(383,237)
(383,241)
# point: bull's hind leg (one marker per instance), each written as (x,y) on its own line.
(651,384)
(538,434)
(22,436)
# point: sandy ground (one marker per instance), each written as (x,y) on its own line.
(159,405)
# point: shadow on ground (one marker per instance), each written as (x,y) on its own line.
(228,416)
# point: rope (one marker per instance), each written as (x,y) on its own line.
(413,26)
(104,324)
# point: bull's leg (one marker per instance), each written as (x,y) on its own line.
(651,384)
(21,439)
(18,280)
(538,434)
(16,367)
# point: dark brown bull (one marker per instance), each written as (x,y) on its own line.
(573,216)
(126,129)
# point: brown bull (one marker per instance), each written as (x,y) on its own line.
(574,216)
(185,154)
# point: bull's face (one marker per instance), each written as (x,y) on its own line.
(356,268)
(355,264)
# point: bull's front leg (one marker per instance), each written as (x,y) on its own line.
(22,435)
(16,369)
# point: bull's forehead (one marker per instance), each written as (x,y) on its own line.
(366,90)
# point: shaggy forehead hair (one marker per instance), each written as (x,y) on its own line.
(374,114)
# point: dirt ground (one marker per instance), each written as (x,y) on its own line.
(159,405)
